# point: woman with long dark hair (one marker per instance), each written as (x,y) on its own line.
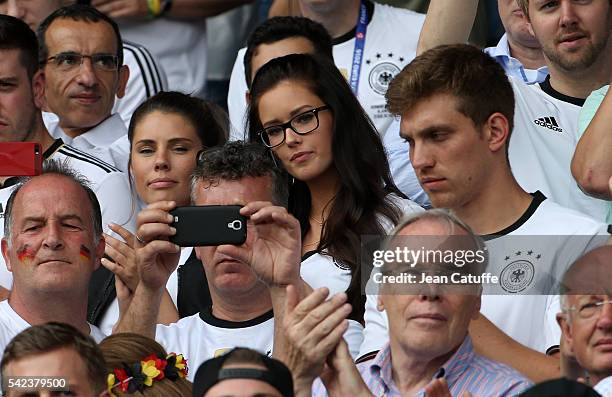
(304,111)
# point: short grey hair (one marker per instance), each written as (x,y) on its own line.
(237,160)
(58,168)
(574,283)
(443,217)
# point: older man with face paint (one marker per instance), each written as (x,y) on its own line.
(52,244)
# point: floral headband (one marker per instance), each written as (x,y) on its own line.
(134,377)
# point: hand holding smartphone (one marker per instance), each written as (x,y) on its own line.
(208,225)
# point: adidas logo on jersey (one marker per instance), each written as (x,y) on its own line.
(548,122)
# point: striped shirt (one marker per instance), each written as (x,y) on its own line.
(147,78)
(464,372)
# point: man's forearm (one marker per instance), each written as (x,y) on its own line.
(447,22)
(194,9)
(491,342)
(302,388)
(279,297)
(168,312)
(141,315)
(592,162)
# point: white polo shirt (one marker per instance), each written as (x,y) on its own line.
(110,186)
(107,141)
(391,42)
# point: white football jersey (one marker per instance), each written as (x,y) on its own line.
(12,323)
(147,78)
(107,141)
(390,44)
(178,45)
(203,336)
(543,143)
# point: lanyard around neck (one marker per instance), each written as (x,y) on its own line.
(360,37)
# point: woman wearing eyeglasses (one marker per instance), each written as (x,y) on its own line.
(303,110)
(166,132)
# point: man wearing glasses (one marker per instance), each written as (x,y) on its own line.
(586,320)
(82,67)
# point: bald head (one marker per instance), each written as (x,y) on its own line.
(591,274)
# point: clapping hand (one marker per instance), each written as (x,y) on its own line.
(439,388)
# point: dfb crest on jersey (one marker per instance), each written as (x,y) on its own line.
(381,75)
(518,274)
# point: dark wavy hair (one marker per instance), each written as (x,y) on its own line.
(359,158)
(204,116)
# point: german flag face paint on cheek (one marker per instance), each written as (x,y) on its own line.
(85,254)
(25,254)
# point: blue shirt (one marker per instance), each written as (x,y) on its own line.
(464,372)
(514,67)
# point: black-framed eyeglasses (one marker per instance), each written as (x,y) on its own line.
(301,124)
(69,61)
(591,309)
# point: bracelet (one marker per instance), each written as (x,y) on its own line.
(154,8)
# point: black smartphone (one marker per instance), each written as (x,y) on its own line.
(206,225)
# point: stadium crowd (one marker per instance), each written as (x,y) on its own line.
(362,205)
